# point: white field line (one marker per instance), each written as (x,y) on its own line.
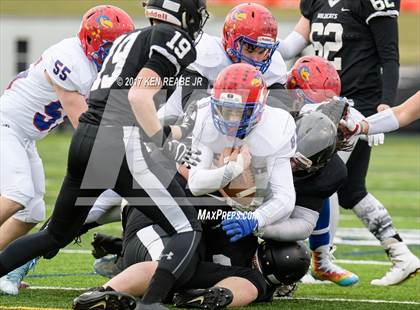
(361,236)
(58,288)
(346,236)
(350,217)
(363,262)
(372,301)
(341,261)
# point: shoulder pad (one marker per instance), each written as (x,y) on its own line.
(277,72)
(211,57)
(378,8)
(274,132)
(68,67)
(174,44)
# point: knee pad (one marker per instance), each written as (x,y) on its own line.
(375,217)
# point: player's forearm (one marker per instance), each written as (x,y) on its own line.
(74,113)
(205,181)
(277,208)
(385,34)
(299,226)
(408,111)
(73,104)
(390,77)
(143,107)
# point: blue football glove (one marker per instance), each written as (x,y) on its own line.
(240,225)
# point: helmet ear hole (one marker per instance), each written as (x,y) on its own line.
(88,39)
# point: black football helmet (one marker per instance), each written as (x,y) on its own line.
(316,141)
(282,262)
(190,15)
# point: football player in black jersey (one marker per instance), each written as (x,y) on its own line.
(361,38)
(107,150)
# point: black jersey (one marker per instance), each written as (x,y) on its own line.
(163,48)
(340,32)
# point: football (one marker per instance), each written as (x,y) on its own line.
(241,189)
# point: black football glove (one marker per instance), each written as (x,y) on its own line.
(188,121)
(181,153)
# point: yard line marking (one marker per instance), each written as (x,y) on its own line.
(58,288)
(344,261)
(348,217)
(30,308)
(73,251)
(363,262)
(372,301)
(361,236)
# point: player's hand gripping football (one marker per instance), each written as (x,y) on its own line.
(181,153)
(241,156)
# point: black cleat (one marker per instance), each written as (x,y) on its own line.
(154,306)
(104,300)
(210,298)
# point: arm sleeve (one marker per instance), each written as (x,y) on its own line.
(203,179)
(282,200)
(385,34)
(292,45)
(299,226)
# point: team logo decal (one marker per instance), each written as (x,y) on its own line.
(256,81)
(239,15)
(104,21)
(304,73)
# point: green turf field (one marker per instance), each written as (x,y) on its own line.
(394,178)
(408,23)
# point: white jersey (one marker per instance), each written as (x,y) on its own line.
(30,105)
(271,144)
(211,60)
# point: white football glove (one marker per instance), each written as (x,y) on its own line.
(374,140)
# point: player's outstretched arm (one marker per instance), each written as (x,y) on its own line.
(408,111)
(388,120)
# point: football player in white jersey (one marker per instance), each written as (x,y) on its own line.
(250,36)
(235,116)
(37,101)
